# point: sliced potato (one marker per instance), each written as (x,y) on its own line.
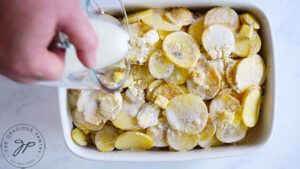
(105,138)
(242,47)
(180,16)
(151,37)
(79,137)
(197,28)
(135,17)
(126,120)
(225,104)
(158,133)
(246,31)
(162,34)
(88,104)
(157,21)
(212,142)
(138,29)
(134,95)
(228,133)
(148,115)
(178,77)
(161,101)
(134,140)
(230,73)
(184,89)
(251,106)
(255,43)
(209,130)
(205,81)
(218,41)
(110,105)
(73,96)
(223,16)
(250,71)
(181,141)
(187,113)
(181,49)
(141,76)
(140,50)
(167,90)
(231,92)
(81,123)
(159,66)
(152,86)
(250,20)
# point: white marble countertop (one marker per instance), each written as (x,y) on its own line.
(38,106)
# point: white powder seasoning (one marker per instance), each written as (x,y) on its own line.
(148,115)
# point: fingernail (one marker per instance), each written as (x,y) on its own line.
(93,60)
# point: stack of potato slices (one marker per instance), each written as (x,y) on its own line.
(195,81)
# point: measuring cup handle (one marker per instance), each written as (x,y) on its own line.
(60,41)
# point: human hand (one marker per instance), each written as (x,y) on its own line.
(26,29)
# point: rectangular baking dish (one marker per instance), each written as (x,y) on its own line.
(261,133)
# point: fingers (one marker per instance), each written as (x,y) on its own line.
(48,65)
(76,25)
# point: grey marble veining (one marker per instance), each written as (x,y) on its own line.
(38,105)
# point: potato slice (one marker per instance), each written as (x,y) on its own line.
(209,130)
(110,104)
(152,86)
(135,17)
(181,141)
(178,77)
(140,50)
(148,115)
(167,90)
(159,66)
(126,120)
(187,113)
(181,49)
(223,16)
(255,43)
(197,28)
(246,31)
(205,81)
(138,29)
(81,123)
(88,104)
(79,137)
(230,73)
(231,92)
(212,142)
(157,21)
(218,41)
(73,96)
(105,138)
(162,34)
(134,140)
(161,101)
(134,95)
(251,106)
(180,16)
(250,20)
(184,89)
(223,106)
(228,133)
(158,133)
(141,76)
(151,37)
(219,65)
(242,47)
(250,71)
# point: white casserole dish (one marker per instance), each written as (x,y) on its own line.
(260,134)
